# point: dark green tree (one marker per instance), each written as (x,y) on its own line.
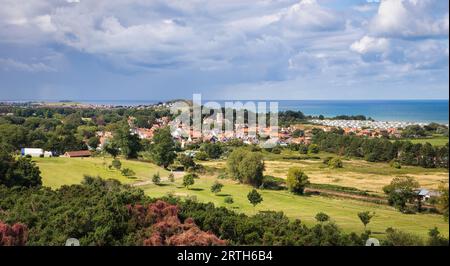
(322,217)
(365,218)
(129,144)
(400,191)
(188,180)
(443,199)
(186,161)
(93,142)
(254,197)
(296,180)
(163,148)
(112,149)
(21,172)
(214,150)
(233,162)
(216,187)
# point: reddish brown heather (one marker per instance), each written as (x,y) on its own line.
(15,235)
(161,218)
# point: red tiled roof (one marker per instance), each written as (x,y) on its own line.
(78,153)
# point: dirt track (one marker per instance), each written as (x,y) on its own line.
(347,195)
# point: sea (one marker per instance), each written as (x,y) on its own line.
(423,111)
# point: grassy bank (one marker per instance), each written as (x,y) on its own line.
(65,171)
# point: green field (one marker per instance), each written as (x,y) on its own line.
(342,211)
(437,140)
(60,171)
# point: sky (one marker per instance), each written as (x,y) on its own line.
(224,49)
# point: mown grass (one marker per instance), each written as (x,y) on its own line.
(60,171)
(342,211)
(65,171)
(436,140)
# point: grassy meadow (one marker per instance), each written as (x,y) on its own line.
(60,171)
(436,140)
(356,173)
(342,211)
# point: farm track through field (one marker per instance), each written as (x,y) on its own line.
(346,195)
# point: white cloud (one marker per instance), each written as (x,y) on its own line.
(235,40)
(45,23)
(411,18)
(310,16)
(369,44)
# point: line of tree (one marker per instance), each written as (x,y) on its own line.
(383,150)
(64,129)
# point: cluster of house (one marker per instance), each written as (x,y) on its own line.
(372,129)
(147,133)
(186,134)
(248,134)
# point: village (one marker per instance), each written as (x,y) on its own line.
(294,134)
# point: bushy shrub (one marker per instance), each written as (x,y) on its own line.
(276,150)
(228,200)
(201,156)
(156,179)
(116,164)
(171,177)
(313,148)
(335,163)
(127,172)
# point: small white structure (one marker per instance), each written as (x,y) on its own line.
(33,152)
(426,194)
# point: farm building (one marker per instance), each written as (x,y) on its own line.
(74,154)
(426,194)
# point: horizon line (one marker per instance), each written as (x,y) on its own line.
(206,99)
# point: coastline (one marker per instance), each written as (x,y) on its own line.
(407,111)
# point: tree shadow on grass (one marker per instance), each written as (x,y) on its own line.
(196,189)
(222,195)
(163,185)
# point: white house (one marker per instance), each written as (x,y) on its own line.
(33,152)
(36,152)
